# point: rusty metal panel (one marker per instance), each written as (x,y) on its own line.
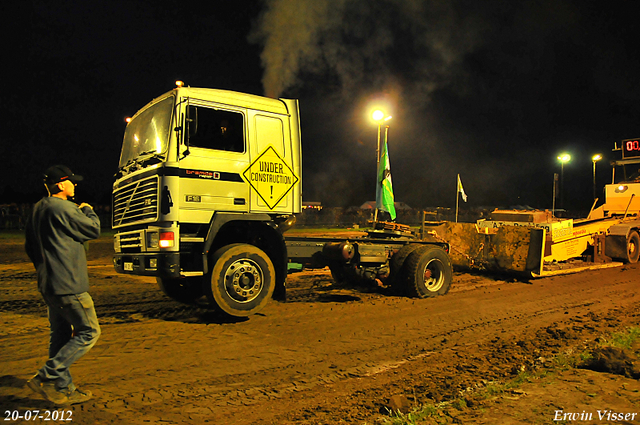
(508,248)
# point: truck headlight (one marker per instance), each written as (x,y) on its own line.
(116,244)
(152,239)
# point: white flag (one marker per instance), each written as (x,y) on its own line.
(461,189)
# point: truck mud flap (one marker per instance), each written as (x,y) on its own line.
(505,249)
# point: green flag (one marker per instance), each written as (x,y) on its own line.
(384,188)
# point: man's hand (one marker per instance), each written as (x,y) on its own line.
(84,204)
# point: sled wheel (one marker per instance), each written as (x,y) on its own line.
(242,280)
(427,272)
(397,261)
(184,290)
(633,247)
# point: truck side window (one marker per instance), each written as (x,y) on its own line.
(215,129)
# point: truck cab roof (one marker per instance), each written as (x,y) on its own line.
(231,98)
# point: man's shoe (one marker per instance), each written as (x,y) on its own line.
(47,389)
(78,396)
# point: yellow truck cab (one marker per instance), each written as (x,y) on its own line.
(209,176)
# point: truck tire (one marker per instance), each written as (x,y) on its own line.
(242,280)
(185,290)
(397,261)
(633,247)
(427,272)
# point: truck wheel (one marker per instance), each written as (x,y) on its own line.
(185,290)
(242,280)
(427,272)
(633,247)
(398,259)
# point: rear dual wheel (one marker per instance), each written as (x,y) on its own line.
(426,272)
(242,280)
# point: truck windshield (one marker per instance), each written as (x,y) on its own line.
(148,133)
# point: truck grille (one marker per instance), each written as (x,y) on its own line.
(131,242)
(136,202)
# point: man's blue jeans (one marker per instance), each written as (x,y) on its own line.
(74,330)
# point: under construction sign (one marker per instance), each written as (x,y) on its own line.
(271,177)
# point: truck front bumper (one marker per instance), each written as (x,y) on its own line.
(165,265)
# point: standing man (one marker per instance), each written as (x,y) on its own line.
(55,233)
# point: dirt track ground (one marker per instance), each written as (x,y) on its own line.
(331,355)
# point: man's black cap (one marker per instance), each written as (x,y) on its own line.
(59,173)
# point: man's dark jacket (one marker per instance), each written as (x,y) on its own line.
(55,235)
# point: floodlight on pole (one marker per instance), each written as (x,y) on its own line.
(594,159)
(378,117)
(563,158)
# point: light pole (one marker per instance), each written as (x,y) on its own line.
(595,159)
(378,117)
(563,158)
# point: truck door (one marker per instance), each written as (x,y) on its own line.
(218,154)
(271,175)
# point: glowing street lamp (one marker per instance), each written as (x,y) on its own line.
(563,158)
(595,158)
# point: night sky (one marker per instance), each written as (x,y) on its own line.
(490,90)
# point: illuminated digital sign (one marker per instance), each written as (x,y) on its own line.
(630,148)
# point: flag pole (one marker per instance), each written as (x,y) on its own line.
(457,195)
